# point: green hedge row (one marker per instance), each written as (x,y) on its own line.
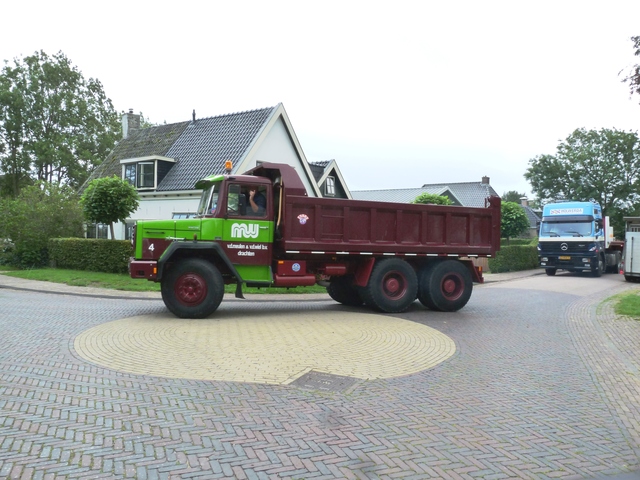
(109,256)
(512,258)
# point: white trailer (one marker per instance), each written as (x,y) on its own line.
(631,251)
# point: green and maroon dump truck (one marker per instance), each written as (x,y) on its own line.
(381,254)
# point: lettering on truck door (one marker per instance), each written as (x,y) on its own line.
(247,236)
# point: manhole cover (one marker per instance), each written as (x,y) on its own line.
(325,382)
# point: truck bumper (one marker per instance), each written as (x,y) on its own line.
(572,263)
(143,269)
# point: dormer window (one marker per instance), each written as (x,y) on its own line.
(146,173)
(330,187)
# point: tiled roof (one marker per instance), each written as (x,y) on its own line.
(140,143)
(402,195)
(205,144)
(318,168)
(534,218)
(469,194)
(199,148)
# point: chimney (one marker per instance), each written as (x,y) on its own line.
(485,180)
(130,123)
(194,115)
(524,201)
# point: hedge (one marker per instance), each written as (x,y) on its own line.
(513,258)
(97,255)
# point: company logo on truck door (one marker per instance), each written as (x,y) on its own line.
(244,230)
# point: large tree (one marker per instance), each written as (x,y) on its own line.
(56,126)
(633,77)
(512,196)
(601,165)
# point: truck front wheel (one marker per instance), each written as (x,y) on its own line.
(598,267)
(343,291)
(192,288)
(445,286)
(392,286)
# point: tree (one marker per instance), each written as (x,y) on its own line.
(512,196)
(430,198)
(40,212)
(633,77)
(56,126)
(514,220)
(602,165)
(109,199)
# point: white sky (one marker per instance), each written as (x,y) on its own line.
(399,93)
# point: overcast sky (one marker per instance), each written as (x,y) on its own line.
(399,93)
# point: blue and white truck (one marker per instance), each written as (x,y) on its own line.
(574,236)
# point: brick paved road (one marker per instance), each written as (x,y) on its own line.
(544,384)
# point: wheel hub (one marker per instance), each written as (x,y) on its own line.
(191,289)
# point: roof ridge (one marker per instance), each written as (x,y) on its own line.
(235,113)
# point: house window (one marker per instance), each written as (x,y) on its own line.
(140,175)
(128,230)
(146,174)
(97,230)
(130,174)
(330,187)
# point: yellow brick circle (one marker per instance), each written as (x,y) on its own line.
(265,349)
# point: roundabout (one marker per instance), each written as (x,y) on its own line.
(265,348)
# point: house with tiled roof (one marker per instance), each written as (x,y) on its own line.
(164,162)
(468,194)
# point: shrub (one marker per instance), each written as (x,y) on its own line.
(40,212)
(513,258)
(97,255)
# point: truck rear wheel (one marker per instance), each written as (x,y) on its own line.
(192,288)
(392,286)
(445,286)
(343,291)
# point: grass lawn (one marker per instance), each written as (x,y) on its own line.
(117,281)
(628,304)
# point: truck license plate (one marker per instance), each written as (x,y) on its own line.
(564,257)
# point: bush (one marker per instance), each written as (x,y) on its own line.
(7,252)
(513,258)
(518,241)
(96,255)
(39,213)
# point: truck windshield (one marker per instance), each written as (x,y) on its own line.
(209,200)
(566,229)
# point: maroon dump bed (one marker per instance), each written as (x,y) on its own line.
(355,226)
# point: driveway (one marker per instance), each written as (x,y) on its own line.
(534,378)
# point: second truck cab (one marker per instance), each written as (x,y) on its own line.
(574,236)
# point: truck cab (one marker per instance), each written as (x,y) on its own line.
(574,236)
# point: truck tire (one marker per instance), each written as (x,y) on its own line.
(598,268)
(445,286)
(552,271)
(192,288)
(343,291)
(392,286)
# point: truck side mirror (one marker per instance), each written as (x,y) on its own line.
(242,204)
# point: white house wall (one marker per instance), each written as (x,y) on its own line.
(278,148)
